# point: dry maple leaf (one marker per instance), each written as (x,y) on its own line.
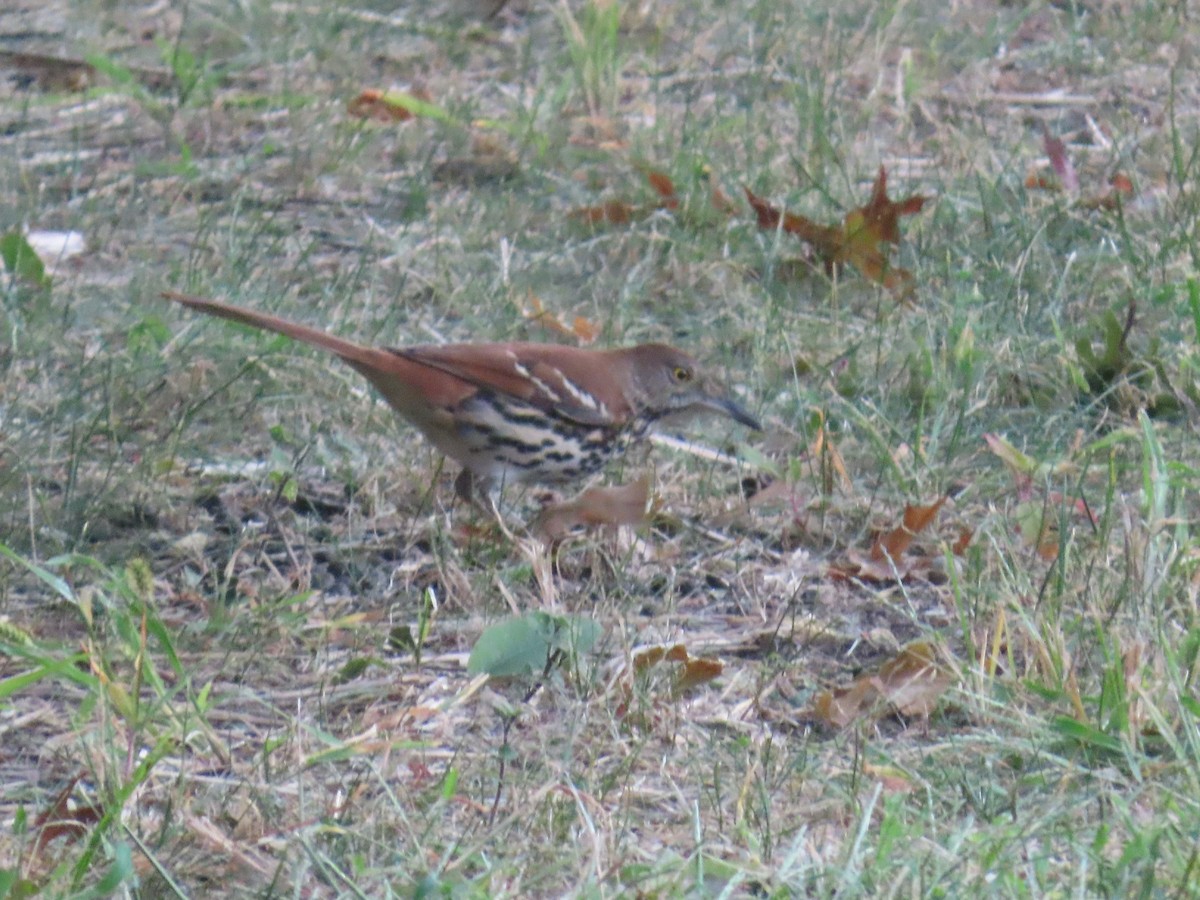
(858,240)
(825,239)
(880,218)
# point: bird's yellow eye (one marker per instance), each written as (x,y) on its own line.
(681,374)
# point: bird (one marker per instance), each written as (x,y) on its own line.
(519,412)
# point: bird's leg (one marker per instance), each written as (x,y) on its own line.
(478,491)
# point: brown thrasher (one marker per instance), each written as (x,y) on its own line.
(519,411)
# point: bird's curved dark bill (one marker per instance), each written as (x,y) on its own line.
(734,411)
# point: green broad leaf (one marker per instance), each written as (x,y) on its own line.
(21,260)
(511,647)
(119,75)
(523,645)
(355,668)
(574,634)
(14,887)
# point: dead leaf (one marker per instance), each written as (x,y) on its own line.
(912,682)
(621,212)
(881,216)
(582,330)
(625,504)
(916,519)
(51,73)
(888,560)
(859,239)
(1120,186)
(61,820)
(909,684)
(611,212)
(693,671)
(663,186)
(825,239)
(388,106)
(959,547)
(1060,162)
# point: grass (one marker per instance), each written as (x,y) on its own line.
(237,601)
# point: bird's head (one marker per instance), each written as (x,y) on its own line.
(668,382)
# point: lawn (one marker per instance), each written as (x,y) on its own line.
(932,632)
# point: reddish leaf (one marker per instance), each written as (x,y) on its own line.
(881,216)
(663,186)
(612,212)
(1034,181)
(825,239)
(59,819)
(1119,186)
(959,547)
(896,541)
(1060,162)
(621,505)
(860,238)
(1122,184)
(387,106)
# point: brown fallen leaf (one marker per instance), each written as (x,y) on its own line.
(621,212)
(582,330)
(611,212)
(625,504)
(61,820)
(50,73)
(825,239)
(1060,162)
(959,547)
(908,684)
(693,671)
(663,186)
(858,240)
(888,561)
(916,519)
(1120,186)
